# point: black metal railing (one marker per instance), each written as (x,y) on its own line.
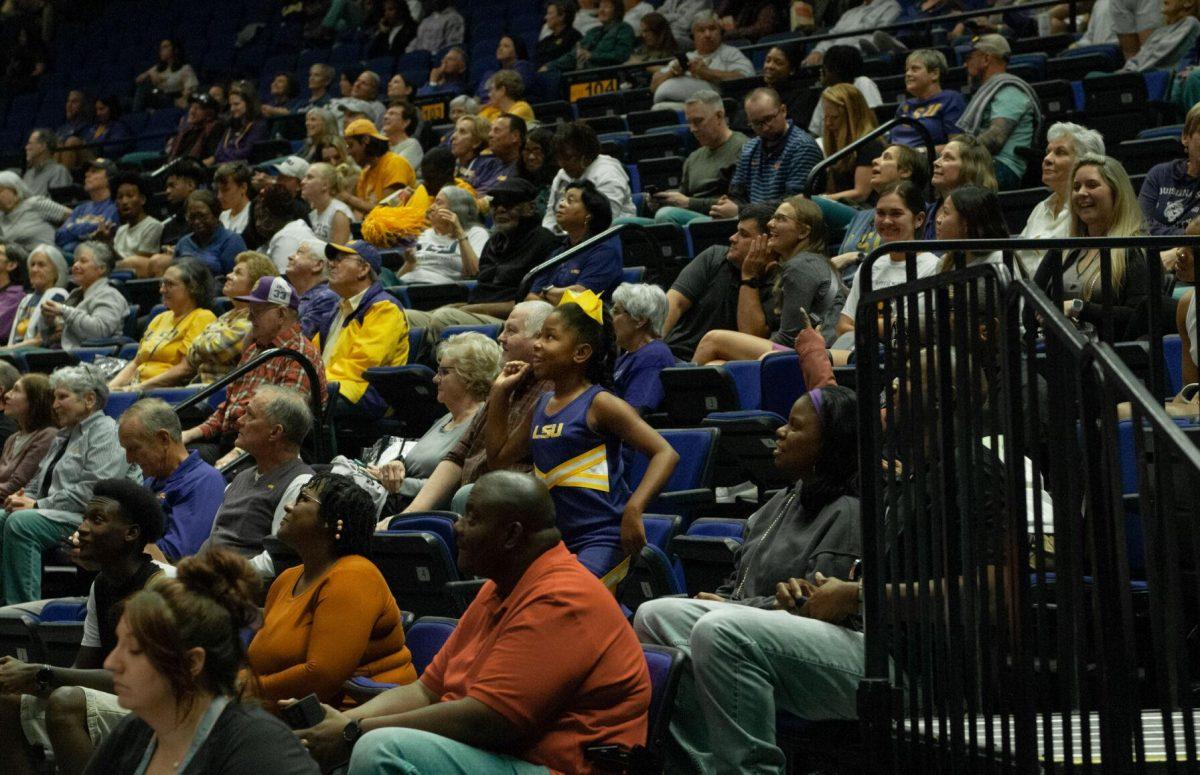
(616,72)
(572,252)
(1056,249)
(1030,549)
(316,398)
(881,130)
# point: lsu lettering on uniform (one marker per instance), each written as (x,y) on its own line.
(582,469)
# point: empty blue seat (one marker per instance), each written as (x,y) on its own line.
(417,566)
(490,330)
(424,639)
(690,484)
(440,523)
(782,382)
(707,552)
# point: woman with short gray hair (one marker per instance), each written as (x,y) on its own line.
(447,251)
(638,313)
(94,310)
(20,220)
(85,451)
(1065,142)
(467,365)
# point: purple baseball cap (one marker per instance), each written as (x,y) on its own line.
(361,248)
(273,290)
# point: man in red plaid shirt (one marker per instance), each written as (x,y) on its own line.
(274,323)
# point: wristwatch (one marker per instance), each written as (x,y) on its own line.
(351,732)
(1076,307)
(44,677)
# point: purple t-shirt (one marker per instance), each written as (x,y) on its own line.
(939,114)
(635,375)
(1169,197)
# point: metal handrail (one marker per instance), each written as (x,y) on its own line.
(1062,244)
(882,129)
(317,400)
(599,73)
(568,254)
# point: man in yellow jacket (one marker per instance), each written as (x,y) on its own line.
(368,327)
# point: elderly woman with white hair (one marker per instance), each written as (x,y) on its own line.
(85,451)
(47,271)
(1065,142)
(21,221)
(94,310)
(639,312)
(467,365)
(449,249)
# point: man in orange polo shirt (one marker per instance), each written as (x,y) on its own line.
(383,172)
(541,665)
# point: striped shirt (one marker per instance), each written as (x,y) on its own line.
(769,175)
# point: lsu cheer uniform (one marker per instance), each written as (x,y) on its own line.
(583,471)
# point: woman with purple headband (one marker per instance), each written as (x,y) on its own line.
(809,531)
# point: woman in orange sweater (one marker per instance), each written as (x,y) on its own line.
(332,617)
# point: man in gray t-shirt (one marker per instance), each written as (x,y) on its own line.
(705,295)
(711,62)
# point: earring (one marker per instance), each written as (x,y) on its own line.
(337,531)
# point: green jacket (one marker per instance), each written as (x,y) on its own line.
(610,44)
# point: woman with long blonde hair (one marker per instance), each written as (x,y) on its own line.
(330,216)
(847,118)
(1103,204)
(320,130)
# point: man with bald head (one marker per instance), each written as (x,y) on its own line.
(541,666)
(775,163)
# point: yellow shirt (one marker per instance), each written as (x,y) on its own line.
(388,171)
(522,109)
(167,340)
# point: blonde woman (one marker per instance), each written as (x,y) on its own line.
(468,143)
(847,118)
(320,131)
(962,161)
(330,217)
(348,172)
(1103,204)
(790,261)
(218,348)
(467,365)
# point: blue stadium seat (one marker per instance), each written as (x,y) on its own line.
(490,330)
(665,665)
(410,391)
(707,552)
(440,523)
(633,274)
(424,639)
(59,630)
(703,234)
(416,565)
(690,393)
(1172,354)
(119,401)
(782,382)
(690,484)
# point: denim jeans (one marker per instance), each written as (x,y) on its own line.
(24,536)
(413,752)
(744,664)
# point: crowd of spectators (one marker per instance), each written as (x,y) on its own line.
(184,520)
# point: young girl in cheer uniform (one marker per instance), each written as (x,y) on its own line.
(576,432)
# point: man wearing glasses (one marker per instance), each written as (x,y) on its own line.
(367,329)
(775,163)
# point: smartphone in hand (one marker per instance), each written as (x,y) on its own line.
(305,714)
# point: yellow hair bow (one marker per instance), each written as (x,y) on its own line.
(587,301)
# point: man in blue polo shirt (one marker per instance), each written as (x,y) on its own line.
(775,163)
(189,489)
